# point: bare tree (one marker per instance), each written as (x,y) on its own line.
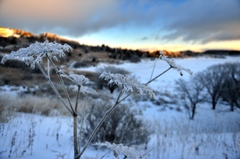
(231,87)
(192,94)
(212,79)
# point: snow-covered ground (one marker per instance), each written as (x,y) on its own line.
(211,135)
(144,69)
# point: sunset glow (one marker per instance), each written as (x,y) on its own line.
(138,24)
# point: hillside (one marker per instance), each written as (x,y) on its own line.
(81,56)
(13,39)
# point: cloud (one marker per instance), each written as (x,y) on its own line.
(71,17)
(74,17)
(188,20)
(204,21)
(144,38)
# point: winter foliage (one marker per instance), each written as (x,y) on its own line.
(128,152)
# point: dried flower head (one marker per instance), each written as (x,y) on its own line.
(83,89)
(173,64)
(35,52)
(75,78)
(79,81)
(127,83)
(129,152)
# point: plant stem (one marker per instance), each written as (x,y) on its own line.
(158,75)
(76,104)
(75,137)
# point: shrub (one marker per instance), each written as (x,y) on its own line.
(123,125)
(79,64)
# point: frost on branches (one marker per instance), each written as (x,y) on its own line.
(173,65)
(75,78)
(128,152)
(127,83)
(35,52)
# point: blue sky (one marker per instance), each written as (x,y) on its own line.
(138,24)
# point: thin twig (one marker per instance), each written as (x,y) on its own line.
(76,111)
(147,152)
(158,75)
(48,62)
(154,66)
(76,104)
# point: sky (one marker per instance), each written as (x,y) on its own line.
(172,25)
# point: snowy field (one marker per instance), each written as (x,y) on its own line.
(211,135)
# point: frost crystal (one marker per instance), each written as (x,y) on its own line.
(75,78)
(35,52)
(79,80)
(127,83)
(173,65)
(83,89)
(129,152)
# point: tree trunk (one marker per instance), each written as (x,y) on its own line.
(232,107)
(213,105)
(193,111)
(75,137)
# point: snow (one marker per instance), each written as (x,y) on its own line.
(212,134)
(142,71)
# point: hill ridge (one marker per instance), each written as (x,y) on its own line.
(9,36)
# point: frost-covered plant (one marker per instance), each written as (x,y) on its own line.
(102,83)
(173,64)
(37,51)
(34,54)
(127,83)
(128,152)
(79,81)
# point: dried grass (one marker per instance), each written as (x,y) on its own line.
(30,104)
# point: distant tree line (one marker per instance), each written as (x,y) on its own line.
(217,84)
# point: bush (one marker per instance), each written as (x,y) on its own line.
(80,64)
(122,126)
